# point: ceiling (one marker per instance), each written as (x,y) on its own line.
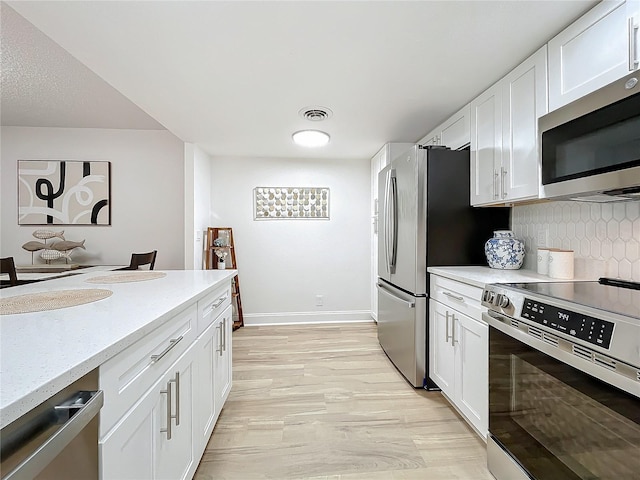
(231,76)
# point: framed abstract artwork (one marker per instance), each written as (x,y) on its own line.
(291,203)
(64,192)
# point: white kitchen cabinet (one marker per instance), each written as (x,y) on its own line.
(165,392)
(431,138)
(459,349)
(453,132)
(155,439)
(378,162)
(504,135)
(486,146)
(524,101)
(597,49)
(441,353)
(222,365)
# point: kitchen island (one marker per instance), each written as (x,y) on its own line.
(43,352)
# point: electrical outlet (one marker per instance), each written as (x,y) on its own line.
(319,300)
(543,237)
(198,235)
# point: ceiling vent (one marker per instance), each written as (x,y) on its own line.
(315,114)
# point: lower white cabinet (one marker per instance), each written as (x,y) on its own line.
(458,353)
(162,433)
(213,376)
(155,439)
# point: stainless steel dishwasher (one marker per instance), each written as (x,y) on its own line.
(58,438)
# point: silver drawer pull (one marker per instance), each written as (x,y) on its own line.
(172,343)
(451,295)
(219,302)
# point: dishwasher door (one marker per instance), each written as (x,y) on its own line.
(402,331)
(57,439)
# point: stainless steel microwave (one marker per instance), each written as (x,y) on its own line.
(590,148)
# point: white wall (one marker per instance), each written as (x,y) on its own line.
(197,205)
(284,264)
(147,192)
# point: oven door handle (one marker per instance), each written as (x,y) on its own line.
(503,324)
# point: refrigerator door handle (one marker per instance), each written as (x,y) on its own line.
(394,219)
(386,220)
(386,292)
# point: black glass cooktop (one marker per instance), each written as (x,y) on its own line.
(622,300)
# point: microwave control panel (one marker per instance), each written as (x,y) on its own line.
(592,330)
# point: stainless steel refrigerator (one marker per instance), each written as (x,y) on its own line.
(425,220)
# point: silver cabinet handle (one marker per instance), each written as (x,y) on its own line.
(219,350)
(633,30)
(169,416)
(218,302)
(495,184)
(172,343)
(177,382)
(451,295)
(224,334)
(504,190)
(453,330)
(446,319)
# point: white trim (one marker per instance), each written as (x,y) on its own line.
(293,318)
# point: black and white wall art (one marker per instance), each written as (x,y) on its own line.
(64,192)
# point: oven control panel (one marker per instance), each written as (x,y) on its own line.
(593,330)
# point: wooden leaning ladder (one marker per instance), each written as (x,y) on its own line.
(211,263)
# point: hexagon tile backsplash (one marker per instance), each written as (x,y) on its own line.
(605,238)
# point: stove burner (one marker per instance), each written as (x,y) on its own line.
(616,282)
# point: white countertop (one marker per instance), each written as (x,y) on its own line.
(481,276)
(43,352)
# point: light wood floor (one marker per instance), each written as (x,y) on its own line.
(324,402)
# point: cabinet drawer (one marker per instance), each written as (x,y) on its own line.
(127,376)
(212,305)
(457,295)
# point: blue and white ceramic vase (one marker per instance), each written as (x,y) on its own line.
(504,250)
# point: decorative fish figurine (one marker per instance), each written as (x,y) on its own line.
(47,234)
(66,245)
(54,254)
(34,246)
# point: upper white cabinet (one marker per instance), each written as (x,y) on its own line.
(597,49)
(504,134)
(486,146)
(524,101)
(453,133)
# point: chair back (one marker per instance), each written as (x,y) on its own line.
(8,266)
(140,259)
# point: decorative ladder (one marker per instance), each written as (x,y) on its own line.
(211,263)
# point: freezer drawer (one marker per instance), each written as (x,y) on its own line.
(402,330)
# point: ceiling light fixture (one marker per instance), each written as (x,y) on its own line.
(310,138)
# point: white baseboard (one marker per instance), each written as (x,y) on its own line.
(294,318)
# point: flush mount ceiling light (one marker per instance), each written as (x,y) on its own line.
(310,138)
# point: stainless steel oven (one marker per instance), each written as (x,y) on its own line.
(591,147)
(564,381)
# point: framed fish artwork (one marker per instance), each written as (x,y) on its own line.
(64,192)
